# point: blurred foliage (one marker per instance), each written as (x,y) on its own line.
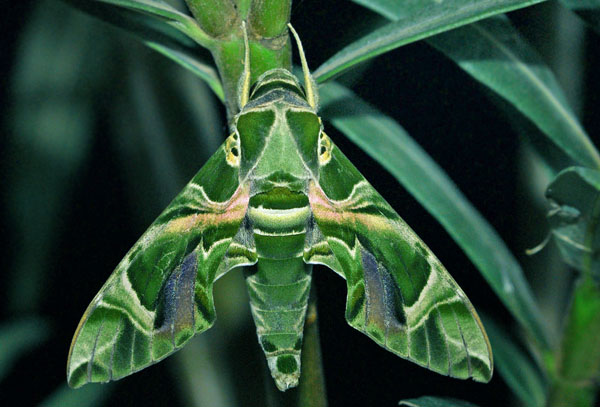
(102,131)
(573,217)
(435,402)
(19,337)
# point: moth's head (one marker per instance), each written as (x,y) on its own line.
(279,131)
(276,79)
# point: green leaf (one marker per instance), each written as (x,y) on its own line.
(204,71)
(162,28)
(499,58)
(428,401)
(516,368)
(574,195)
(423,19)
(150,19)
(19,337)
(588,10)
(157,8)
(385,141)
(89,396)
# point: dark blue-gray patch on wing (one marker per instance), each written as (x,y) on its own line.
(383,306)
(176,310)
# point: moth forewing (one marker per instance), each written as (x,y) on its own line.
(399,294)
(160,294)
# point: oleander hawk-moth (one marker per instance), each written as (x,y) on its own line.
(278,195)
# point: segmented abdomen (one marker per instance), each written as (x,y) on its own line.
(280,285)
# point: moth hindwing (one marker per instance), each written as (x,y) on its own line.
(279,196)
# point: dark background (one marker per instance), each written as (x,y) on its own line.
(470,133)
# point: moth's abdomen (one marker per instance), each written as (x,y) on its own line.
(280,285)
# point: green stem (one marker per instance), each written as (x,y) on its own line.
(216,17)
(578,359)
(243,7)
(311,390)
(269,18)
(267,34)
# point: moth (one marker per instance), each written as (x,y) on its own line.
(280,196)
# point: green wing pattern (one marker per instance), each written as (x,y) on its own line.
(399,294)
(160,294)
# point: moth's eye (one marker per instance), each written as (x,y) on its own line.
(324,149)
(232,150)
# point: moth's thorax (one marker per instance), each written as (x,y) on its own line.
(279,211)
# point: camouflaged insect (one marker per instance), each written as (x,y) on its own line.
(280,196)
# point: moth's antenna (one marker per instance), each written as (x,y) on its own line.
(309,83)
(244,87)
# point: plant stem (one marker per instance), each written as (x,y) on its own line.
(311,390)
(269,44)
(215,17)
(268,18)
(578,360)
(267,35)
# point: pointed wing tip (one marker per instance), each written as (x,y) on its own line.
(75,380)
(483,376)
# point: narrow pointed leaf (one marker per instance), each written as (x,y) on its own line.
(17,338)
(516,368)
(588,10)
(157,8)
(160,27)
(392,147)
(204,71)
(147,18)
(499,58)
(493,52)
(421,22)
(428,401)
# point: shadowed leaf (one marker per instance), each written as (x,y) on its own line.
(150,19)
(19,337)
(493,52)
(516,368)
(206,72)
(89,396)
(418,23)
(588,10)
(498,57)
